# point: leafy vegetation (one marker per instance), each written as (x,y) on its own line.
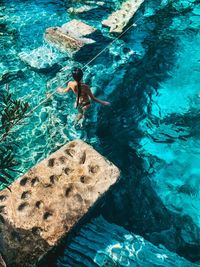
(12,112)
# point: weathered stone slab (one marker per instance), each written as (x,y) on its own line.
(91,5)
(41,58)
(70,35)
(46,202)
(77,28)
(116,247)
(118,20)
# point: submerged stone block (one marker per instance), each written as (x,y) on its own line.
(45,203)
(100,243)
(70,36)
(88,6)
(81,9)
(118,20)
(41,58)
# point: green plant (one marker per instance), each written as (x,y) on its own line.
(12,111)
(11,114)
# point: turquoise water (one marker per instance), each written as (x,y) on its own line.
(151,131)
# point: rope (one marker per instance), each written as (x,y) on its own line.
(87,64)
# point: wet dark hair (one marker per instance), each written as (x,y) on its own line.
(77,74)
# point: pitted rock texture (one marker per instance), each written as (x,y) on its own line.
(49,200)
(118,20)
(70,35)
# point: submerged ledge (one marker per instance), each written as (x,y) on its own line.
(119,19)
(50,199)
(116,247)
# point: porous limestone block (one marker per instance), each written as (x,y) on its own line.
(45,203)
(119,19)
(70,35)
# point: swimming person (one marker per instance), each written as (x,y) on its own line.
(83,93)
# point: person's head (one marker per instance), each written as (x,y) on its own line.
(77,74)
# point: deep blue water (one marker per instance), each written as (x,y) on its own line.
(152,129)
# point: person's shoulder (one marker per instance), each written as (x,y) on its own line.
(71,83)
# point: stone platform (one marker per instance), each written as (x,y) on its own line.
(118,20)
(49,200)
(71,35)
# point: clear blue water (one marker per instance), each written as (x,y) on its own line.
(152,129)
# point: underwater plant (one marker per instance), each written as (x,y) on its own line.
(12,111)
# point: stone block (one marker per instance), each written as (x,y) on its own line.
(45,203)
(116,247)
(119,19)
(90,5)
(71,36)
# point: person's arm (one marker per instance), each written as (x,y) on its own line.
(64,90)
(97,99)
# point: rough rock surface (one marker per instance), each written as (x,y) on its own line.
(116,247)
(88,6)
(71,35)
(41,58)
(46,202)
(118,20)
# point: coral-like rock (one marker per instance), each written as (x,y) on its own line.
(118,20)
(50,199)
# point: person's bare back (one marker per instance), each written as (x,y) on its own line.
(83,93)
